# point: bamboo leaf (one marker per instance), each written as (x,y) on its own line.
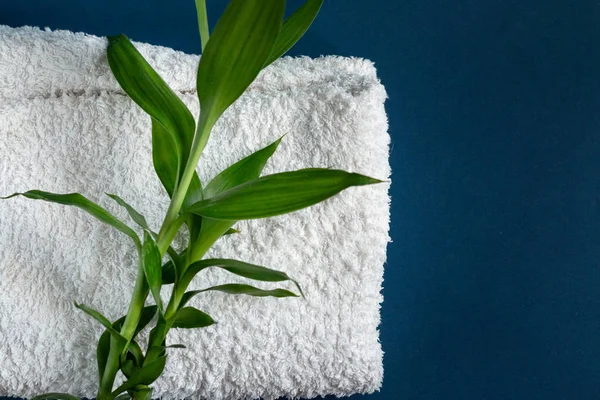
(143,394)
(146,316)
(143,376)
(294,28)
(135,216)
(176,346)
(278,194)
(167,166)
(165,157)
(77,200)
(102,350)
(240,268)
(152,267)
(102,319)
(128,367)
(187,296)
(145,87)
(171,267)
(139,219)
(159,332)
(194,192)
(246,169)
(190,317)
(234,55)
(55,396)
(168,273)
(103,346)
(136,352)
(230,231)
(132,359)
(155,352)
(237,288)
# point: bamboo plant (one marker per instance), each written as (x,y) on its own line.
(248,37)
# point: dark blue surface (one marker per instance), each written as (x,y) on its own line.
(492,288)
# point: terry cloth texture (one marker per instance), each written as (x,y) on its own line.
(66,126)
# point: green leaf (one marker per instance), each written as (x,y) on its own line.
(176,346)
(145,87)
(128,367)
(155,352)
(168,273)
(103,346)
(167,169)
(294,28)
(247,169)
(190,317)
(143,376)
(135,216)
(146,316)
(102,319)
(152,267)
(240,268)
(55,396)
(231,231)
(140,219)
(102,350)
(143,394)
(194,192)
(136,352)
(132,359)
(165,157)
(242,171)
(170,268)
(278,194)
(235,54)
(124,396)
(77,200)
(236,288)
(187,296)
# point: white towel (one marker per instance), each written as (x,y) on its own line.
(66,126)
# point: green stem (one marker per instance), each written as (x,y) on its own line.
(202,22)
(140,292)
(200,140)
(165,237)
(164,325)
(167,232)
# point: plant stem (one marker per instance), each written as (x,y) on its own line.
(167,232)
(165,238)
(163,326)
(140,292)
(178,198)
(202,22)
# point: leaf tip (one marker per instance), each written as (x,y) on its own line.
(10,196)
(362,180)
(299,289)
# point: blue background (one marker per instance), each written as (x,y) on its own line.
(492,287)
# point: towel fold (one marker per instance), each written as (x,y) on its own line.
(66,126)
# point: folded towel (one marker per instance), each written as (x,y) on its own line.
(66,126)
